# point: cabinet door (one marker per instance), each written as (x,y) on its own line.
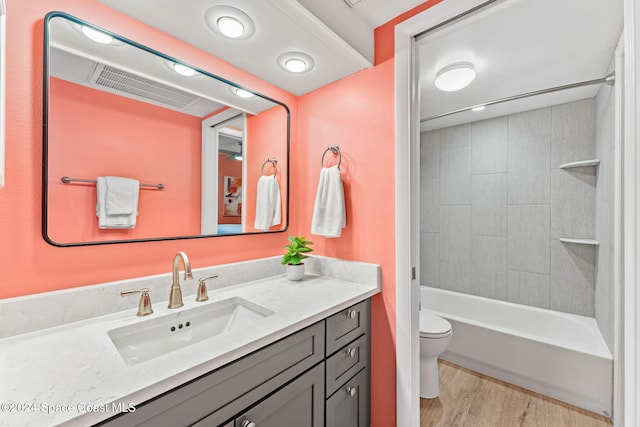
(349,406)
(298,404)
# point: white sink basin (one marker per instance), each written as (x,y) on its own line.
(155,337)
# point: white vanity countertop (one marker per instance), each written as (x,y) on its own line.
(73,375)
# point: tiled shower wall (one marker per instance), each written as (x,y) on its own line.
(494,203)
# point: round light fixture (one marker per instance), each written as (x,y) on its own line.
(229,22)
(242,93)
(183,70)
(96,35)
(455,76)
(295,62)
(230,27)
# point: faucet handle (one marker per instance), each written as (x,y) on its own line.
(202,288)
(144,307)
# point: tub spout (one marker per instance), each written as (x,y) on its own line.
(175,296)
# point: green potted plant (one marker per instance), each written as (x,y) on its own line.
(297,249)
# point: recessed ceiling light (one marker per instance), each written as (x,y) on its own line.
(242,93)
(295,62)
(455,76)
(183,70)
(479,108)
(96,35)
(229,22)
(230,27)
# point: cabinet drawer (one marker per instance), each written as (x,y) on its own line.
(349,406)
(227,391)
(300,403)
(347,325)
(347,362)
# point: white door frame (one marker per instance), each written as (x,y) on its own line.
(407,143)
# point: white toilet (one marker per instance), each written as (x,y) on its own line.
(435,335)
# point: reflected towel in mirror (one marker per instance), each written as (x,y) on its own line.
(117,202)
(268,205)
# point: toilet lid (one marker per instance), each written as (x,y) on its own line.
(432,326)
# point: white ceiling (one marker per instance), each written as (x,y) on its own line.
(517,46)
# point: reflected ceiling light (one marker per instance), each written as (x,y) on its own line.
(479,108)
(183,70)
(455,76)
(229,22)
(95,35)
(242,93)
(295,62)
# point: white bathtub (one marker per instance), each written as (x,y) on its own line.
(556,354)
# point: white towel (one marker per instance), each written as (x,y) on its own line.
(329,213)
(268,210)
(117,202)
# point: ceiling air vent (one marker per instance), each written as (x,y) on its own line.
(122,82)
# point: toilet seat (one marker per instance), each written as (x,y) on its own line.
(432,326)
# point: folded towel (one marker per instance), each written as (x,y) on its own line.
(117,202)
(268,210)
(329,213)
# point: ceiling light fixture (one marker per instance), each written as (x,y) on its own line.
(455,76)
(242,93)
(479,108)
(183,70)
(96,35)
(229,22)
(295,62)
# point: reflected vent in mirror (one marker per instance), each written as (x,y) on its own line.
(121,82)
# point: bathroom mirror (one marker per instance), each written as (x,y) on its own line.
(197,143)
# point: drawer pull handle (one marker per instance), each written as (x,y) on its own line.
(247,423)
(352,352)
(351,314)
(351,391)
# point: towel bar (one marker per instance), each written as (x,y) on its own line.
(335,150)
(274,161)
(67,180)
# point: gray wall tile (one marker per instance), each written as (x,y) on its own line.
(572,132)
(573,194)
(529,171)
(489,205)
(455,136)
(430,154)
(572,278)
(528,288)
(455,233)
(489,146)
(430,205)
(455,176)
(455,276)
(430,259)
(528,233)
(530,123)
(489,267)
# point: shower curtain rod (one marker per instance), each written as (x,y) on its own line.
(609,79)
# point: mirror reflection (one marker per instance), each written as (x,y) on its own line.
(149,147)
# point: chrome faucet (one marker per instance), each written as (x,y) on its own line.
(175,296)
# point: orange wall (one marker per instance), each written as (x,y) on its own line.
(95,133)
(356,113)
(29,265)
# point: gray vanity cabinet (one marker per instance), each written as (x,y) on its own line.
(316,377)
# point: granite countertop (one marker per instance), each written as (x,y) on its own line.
(72,374)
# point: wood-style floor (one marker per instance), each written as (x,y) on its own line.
(470,399)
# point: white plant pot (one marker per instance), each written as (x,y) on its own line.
(295,272)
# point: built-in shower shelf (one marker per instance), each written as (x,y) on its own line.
(580,164)
(580,241)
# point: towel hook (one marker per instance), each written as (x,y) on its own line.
(335,150)
(274,161)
